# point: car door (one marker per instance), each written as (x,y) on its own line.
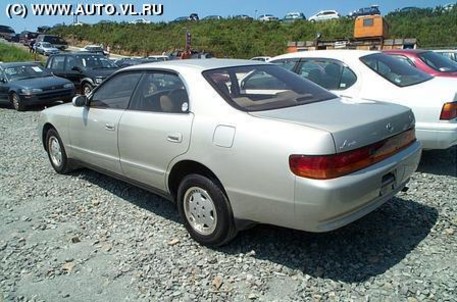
(4,86)
(155,129)
(94,129)
(56,65)
(74,75)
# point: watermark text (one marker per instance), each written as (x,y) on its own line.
(93,9)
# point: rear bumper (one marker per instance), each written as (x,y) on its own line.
(322,206)
(437,135)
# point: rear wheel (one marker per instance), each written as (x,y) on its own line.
(205,210)
(17,103)
(56,152)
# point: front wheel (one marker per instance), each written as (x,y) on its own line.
(206,211)
(87,88)
(56,152)
(17,103)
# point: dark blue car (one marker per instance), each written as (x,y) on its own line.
(27,83)
(365,11)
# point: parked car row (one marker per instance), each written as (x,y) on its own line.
(344,119)
(373,75)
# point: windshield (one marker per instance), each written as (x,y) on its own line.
(54,40)
(95,62)
(264,87)
(438,62)
(46,44)
(394,70)
(17,73)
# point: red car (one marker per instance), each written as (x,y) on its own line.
(426,60)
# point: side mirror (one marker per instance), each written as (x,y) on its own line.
(76,68)
(79,101)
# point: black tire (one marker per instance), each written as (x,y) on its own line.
(16,102)
(87,88)
(56,152)
(196,192)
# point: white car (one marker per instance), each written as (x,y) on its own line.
(94,49)
(324,15)
(45,48)
(159,57)
(140,21)
(267,17)
(372,75)
(261,58)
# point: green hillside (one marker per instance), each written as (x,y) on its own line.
(244,39)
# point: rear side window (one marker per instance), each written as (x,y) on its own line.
(57,63)
(328,73)
(288,64)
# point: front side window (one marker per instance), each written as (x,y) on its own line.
(395,71)
(116,92)
(264,87)
(160,91)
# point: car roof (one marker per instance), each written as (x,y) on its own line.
(81,53)
(14,64)
(200,64)
(411,51)
(337,54)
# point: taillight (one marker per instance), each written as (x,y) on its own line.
(449,111)
(335,165)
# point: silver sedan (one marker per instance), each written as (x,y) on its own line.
(236,142)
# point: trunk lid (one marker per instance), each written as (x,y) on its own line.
(352,123)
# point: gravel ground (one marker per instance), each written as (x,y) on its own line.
(88,237)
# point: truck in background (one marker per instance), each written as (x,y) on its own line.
(370,33)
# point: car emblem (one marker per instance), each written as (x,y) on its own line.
(390,128)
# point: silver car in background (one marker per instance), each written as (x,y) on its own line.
(237,142)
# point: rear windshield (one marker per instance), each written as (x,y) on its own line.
(54,40)
(438,62)
(394,70)
(264,87)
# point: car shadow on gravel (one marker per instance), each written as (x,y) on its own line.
(135,195)
(439,162)
(366,248)
(363,249)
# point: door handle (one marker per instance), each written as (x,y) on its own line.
(174,137)
(110,127)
